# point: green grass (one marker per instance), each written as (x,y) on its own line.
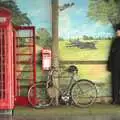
(76,54)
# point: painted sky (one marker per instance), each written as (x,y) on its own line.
(73,22)
(39,11)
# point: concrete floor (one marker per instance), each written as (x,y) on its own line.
(89,117)
(96,112)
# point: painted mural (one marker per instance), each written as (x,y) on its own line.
(85,33)
(39,13)
(86,29)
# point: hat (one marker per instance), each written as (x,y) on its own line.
(117,27)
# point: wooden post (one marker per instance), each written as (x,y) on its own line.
(55,44)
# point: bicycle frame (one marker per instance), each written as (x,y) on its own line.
(67,89)
(65,96)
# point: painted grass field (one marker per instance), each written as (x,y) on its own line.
(77,54)
(94,72)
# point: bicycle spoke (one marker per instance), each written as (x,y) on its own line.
(39,98)
(83,93)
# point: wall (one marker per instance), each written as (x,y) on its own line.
(85,37)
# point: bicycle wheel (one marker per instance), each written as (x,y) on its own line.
(38,96)
(83,93)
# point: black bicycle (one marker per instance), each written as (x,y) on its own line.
(79,92)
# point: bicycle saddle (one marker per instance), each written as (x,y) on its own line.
(72,68)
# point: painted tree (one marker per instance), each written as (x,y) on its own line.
(43,38)
(18,18)
(66,5)
(105,11)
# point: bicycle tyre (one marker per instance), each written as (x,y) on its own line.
(83,98)
(39,98)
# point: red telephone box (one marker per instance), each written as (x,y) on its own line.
(25,63)
(17,61)
(46,59)
(6,61)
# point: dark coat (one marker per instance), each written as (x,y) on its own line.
(114,56)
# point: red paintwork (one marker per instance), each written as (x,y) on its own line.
(21,100)
(46,58)
(10,90)
(31,62)
(6,61)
